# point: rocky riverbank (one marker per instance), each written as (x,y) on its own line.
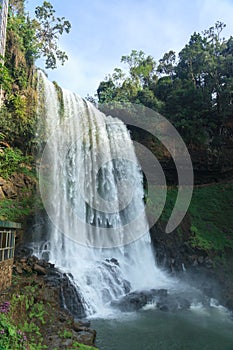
(58,306)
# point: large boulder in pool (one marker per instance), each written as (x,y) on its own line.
(173,303)
(165,302)
(136,300)
(130,302)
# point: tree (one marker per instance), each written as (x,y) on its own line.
(194,92)
(17,6)
(167,64)
(38,37)
(200,95)
(219,72)
(48,30)
(134,85)
(226,97)
(106,91)
(141,68)
(26,40)
(192,61)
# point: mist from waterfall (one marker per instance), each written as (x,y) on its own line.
(92,188)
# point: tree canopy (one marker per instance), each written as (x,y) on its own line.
(192,89)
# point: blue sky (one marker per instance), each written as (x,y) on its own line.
(104,30)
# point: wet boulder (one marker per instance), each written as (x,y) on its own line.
(136,300)
(173,303)
(130,302)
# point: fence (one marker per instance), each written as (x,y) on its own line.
(7,247)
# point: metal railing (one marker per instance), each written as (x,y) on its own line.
(7,239)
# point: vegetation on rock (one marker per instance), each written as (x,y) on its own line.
(26,316)
(27,39)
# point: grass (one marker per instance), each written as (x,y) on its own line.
(210,213)
(212,219)
(19,208)
(14,210)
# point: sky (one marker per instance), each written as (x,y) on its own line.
(104,30)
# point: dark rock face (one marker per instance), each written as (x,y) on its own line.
(58,293)
(70,298)
(113,260)
(173,303)
(39,269)
(131,302)
(38,228)
(86,336)
(210,163)
(164,301)
(126,286)
(174,252)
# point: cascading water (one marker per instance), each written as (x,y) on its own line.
(89,168)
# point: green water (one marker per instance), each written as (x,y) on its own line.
(157,330)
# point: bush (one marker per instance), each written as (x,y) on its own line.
(11,160)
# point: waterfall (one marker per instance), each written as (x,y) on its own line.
(92,189)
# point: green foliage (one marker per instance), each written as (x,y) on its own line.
(65,334)
(5,78)
(194,91)
(133,86)
(167,63)
(18,104)
(18,332)
(12,160)
(23,317)
(27,39)
(36,37)
(210,213)
(10,336)
(30,316)
(17,115)
(79,346)
(37,311)
(49,28)
(141,68)
(16,210)
(198,240)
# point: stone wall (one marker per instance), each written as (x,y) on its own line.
(5,273)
